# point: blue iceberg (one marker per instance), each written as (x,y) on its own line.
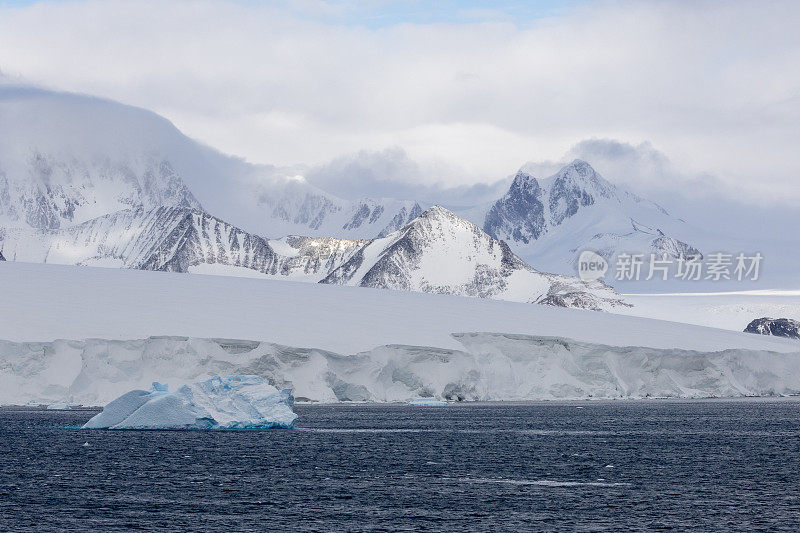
(234,402)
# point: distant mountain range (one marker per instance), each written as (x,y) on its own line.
(92,182)
(436,252)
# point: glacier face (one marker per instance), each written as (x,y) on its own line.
(487,367)
(231,402)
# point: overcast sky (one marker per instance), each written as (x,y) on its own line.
(654,94)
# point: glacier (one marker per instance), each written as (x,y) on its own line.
(233,402)
(486,367)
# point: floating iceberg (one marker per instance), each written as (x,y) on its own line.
(235,402)
(427,402)
(58,406)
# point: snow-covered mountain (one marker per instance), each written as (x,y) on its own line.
(292,206)
(442,253)
(66,159)
(163,238)
(97,172)
(437,252)
(550,221)
(176,239)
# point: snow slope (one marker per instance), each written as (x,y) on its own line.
(163,238)
(66,159)
(45,302)
(178,240)
(292,206)
(725,310)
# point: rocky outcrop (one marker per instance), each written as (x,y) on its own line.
(778,327)
(519,214)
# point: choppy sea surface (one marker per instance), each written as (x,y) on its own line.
(589,466)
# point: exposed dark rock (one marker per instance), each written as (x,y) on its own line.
(358,217)
(198,238)
(675,248)
(778,327)
(519,214)
(402,218)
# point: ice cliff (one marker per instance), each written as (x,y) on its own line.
(489,366)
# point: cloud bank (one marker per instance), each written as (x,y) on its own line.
(712,84)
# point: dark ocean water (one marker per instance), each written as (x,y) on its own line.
(701,465)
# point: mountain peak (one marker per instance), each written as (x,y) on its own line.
(440,252)
(578,168)
(443,219)
(580,175)
(523,183)
(580,164)
(438,212)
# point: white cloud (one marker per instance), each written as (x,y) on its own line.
(714,85)
(391,173)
